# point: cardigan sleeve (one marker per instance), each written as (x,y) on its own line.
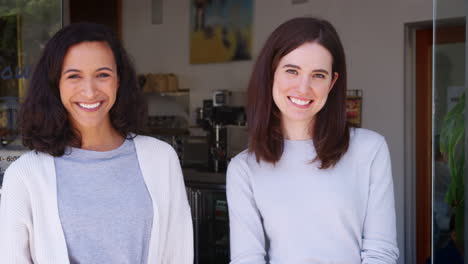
(179,246)
(246,228)
(15,215)
(379,233)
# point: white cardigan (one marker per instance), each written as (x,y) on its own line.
(30,228)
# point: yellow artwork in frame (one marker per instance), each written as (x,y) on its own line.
(221,30)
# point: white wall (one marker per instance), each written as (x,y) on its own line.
(372,33)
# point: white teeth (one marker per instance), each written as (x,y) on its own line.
(299,101)
(89,106)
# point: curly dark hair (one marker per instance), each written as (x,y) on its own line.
(43,120)
(331,131)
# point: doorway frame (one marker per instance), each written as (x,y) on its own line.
(410,137)
(410,209)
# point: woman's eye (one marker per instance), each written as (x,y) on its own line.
(103,75)
(319,75)
(73,76)
(291,71)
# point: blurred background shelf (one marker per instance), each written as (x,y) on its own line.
(180,92)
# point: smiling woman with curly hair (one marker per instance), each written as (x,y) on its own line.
(92,190)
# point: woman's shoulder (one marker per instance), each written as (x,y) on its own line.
(244,157)
(246,161)
(239,169)
(365,142)
(151,143)
(366,136)
(29,159)
(28,167)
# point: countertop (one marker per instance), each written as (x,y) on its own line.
(202,176)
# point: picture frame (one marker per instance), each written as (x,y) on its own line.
(354,107)
(220,30)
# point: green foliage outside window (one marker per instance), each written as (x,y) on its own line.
(452,145)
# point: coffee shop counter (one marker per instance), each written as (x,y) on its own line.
(197,176)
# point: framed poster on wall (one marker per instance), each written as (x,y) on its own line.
(220,30)
(354,107)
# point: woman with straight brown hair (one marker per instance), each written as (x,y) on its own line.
(309,189)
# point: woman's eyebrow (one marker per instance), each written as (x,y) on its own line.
(71,70)
(291,66)
(105,68)
(321,70)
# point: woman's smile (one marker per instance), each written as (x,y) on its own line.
(300,102)
(90,107)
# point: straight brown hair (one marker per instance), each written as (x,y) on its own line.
(331,131)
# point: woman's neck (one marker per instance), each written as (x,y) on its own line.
(103,138)
(297,130)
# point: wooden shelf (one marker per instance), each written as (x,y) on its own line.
(181,92)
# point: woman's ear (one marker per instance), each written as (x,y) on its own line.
(335,77)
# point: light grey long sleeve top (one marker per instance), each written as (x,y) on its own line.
(104,206)
(294,212)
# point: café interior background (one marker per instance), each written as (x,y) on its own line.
(379,41)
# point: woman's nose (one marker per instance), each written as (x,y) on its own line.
(89,88)
(304,84)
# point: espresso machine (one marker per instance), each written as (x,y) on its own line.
(214,117)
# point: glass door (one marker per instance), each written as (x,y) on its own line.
(448,133)
(25,27)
